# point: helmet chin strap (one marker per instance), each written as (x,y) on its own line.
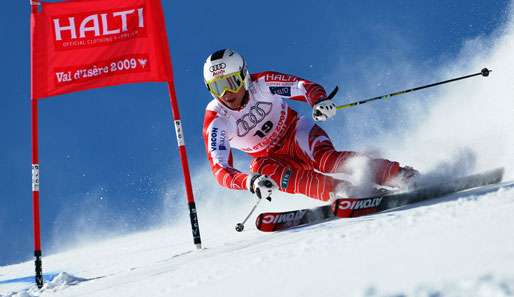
(246,98)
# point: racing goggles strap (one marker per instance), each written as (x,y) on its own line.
(220,85)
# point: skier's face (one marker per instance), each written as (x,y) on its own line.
(233,100)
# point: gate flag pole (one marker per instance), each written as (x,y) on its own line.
(185,167)
(35,159)
(193,215)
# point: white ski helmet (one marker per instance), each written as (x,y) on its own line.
(225,70)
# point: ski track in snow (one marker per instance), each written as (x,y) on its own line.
(459,245)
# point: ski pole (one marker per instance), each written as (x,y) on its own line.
(484,72)
(240,226)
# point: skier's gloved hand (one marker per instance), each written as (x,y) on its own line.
(324,110)
(261,185)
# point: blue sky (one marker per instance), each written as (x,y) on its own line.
(112,152)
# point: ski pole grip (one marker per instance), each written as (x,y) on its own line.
(333,93)
(330,96)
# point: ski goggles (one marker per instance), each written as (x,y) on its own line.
(227,83)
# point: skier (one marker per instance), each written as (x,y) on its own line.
(249,113)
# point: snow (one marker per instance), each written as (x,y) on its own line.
(460,245)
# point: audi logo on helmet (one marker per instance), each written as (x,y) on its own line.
(217,67)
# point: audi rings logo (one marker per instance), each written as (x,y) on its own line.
(256,114)
(217,67)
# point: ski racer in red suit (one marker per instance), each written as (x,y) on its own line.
(250,113)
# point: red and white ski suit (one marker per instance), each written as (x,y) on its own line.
(289,148)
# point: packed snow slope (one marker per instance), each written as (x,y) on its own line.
(460,245)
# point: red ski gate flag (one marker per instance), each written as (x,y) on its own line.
(84,44)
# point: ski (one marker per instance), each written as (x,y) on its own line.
(277,221)
(352,207)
